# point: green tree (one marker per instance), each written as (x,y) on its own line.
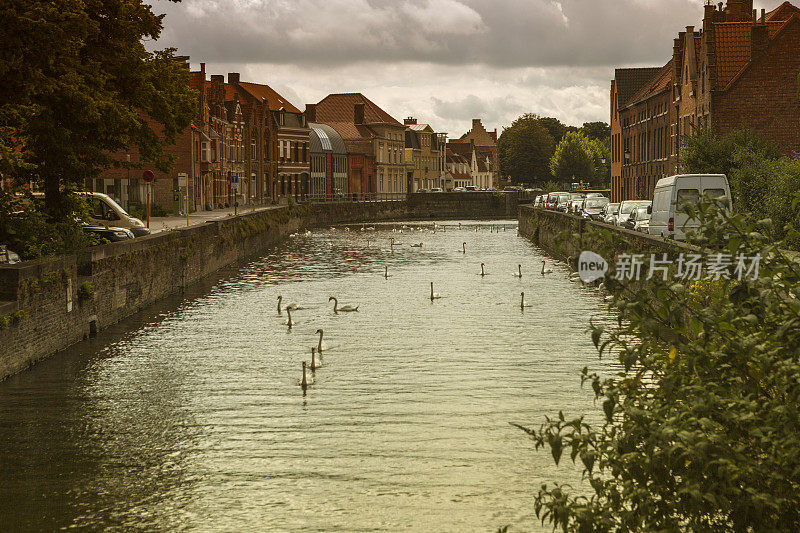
(574,159)
(79,86)
(524,150)
(596,131)
(556,128)
(700,426)
(601,158)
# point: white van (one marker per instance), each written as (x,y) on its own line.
(104,211)
(672,193)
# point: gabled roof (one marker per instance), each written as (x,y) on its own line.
(733,45)
(264,92)
(460,148)
(631,80)
(655,85)
(420,127)
(351,131)
(783,12)
(340,108)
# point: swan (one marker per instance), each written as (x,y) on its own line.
(306,381)
(519,273)
(291,307)
(320,345)
(290,322)
(344,308)
(386,272)
(314,364)
(464,247)
(545,270)
(416,245)
(483,272)
(522,303)
(370,228)
(435,295)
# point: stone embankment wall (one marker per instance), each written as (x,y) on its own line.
(547,229)
(47,305)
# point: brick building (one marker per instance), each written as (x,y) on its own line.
(375,142)
(738,71)
(485,142)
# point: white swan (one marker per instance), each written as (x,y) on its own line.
(518,274)
(416,245)
(483,272)
(522,303)
(321,346)
(344,308)
(306,381)
(386,272)
(291,307)
(464,248)
(545,270)
(314,364)
(290,322)
(435,295)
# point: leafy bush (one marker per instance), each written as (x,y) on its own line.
(85,291)
(701,429)
(27,230)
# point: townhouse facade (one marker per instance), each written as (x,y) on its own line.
(739,70)
(375,143)
(484,141)
(423,154)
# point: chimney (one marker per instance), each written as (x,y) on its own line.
(739,10)
(759,39)
(763,15)
(311,112)
(233,78)
(217,78)
(475,123)
(358,113)
(409,121)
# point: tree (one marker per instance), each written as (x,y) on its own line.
(79,86)
(556,128)
(573,159)
(524,150)
(596,131)
(700,426)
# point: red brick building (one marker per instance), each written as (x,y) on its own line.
(738,71)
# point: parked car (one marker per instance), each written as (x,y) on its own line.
(638,219)
(593,207)
(595,195)
(562,201)
(104,211)
(552,200)
(577,207)
(610,213)
(538,202)
(7,257)
(459,189)
(470,188)
(626,208)
(437,189)
(109,233)
(672,193)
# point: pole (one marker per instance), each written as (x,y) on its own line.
(187,201)
(148,205)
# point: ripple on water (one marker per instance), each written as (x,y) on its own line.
(195,420)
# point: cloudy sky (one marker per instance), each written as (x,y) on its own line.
(442,61)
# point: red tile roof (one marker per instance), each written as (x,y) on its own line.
(783,12)
(264,92)
(340,108)
(732,47)
(349,130)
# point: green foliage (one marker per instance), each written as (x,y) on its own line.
(551,186)
(762,182)
(26,229)
(556,128)
(701,427)
(524,150)
(85,291)
(596,131)
(574,159)
(13,318)
(79,86)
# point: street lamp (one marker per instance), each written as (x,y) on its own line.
(627,155)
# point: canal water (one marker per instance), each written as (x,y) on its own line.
(191,417)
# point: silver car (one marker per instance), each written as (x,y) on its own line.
(626,208)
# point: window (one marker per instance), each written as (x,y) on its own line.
(688,196)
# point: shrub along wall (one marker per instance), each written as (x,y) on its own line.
(47,305)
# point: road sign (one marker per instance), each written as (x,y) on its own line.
(182,179)
(148,176)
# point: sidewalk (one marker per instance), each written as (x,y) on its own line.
(159,224)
